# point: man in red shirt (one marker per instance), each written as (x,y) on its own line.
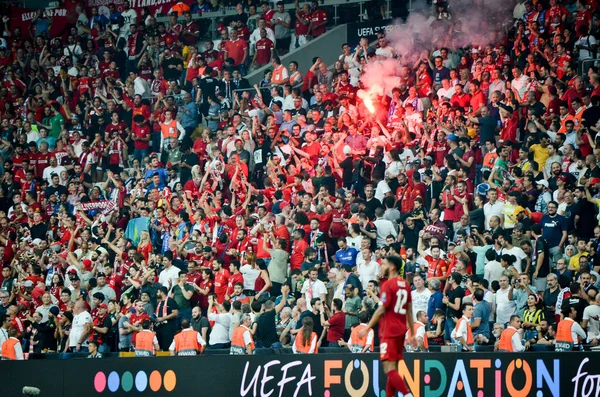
(395,312)
(298,247)
(141,134)
(318,20)
(460,98)
(264,50)
(267,13)
(236,277)
(221,279)
(237,50)
(190,32)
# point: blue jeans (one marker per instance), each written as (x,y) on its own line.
(104,348)
(141,154)
(184,313)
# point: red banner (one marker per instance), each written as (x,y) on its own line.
(65,15)
(155,6)
(61,18)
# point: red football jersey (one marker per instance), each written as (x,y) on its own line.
(395,296)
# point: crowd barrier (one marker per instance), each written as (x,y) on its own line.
(428,375)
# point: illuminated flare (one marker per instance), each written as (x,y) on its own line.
(369,104)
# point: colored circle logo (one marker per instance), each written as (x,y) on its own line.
(170,380)
(141,381)
(126,382)
(155,381)
(100,382)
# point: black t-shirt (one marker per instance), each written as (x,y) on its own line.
(208,86)
(192,160)
(541,247)
(347,166)
(579,304)
(266,331)
(59,190)
(370,207)
(587,218)
(457,292)
(171,73)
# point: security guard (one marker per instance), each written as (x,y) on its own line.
(146,343)
(510,340)
(242,341)
(569,332)
(356,344)
(11,348)
(188,342)
(419,331)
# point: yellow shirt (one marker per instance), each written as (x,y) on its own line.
(509,212)
(574,261)
(540,155)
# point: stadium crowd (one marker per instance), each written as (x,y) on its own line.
(150,193)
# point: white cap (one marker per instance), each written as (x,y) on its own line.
(347,149)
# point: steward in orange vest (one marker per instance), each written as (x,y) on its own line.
(242,341)
(146,342)
(188,342)
(462,332)
(569,332)
(419,331)
(507,342)
(11,348)
(307,341)
(356,344)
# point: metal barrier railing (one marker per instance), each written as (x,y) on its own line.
(583,71)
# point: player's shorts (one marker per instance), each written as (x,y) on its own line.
(391,349)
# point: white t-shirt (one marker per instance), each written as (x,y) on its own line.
(504,307)
(587,41)
(492,271)
(381,190)
(519,254)
(313,289)
(129,17)
(592,315)
(78,327)
(420,301)
(367,272)
(48,171)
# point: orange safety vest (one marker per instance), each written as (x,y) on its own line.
(186,343)
(358,343)
(416,326)
(144,344)
(306,348)
(169,130)
(489,159)
(505,344)
(237,341)
(8,349)
(277,77)
(564,336)
(470,340)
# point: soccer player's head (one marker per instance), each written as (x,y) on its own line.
(394,264)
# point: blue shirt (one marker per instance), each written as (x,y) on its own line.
(189,116)
(49,140)
(552,229)
(482,311)
(162,173)
(347,257)
(41,26)
(435,302)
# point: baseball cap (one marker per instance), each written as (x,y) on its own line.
(347,149)
(519,209)
(101,274)
(427,158)
(54,310)
(102,306)
(452,138)
(544,182)
(99,296)
(87,263)
(28,284)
